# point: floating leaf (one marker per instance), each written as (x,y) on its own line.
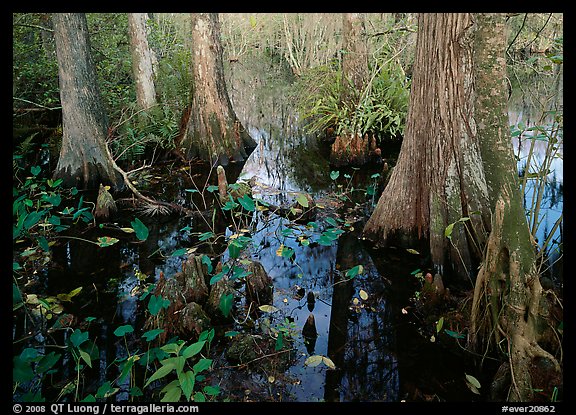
(412,251)
(127,230)
(313,361)
(328,362)
(363,295)
(140,229)
(267,308)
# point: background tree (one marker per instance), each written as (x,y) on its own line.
(213,132)
(142,61)
(351,147)
(508,301)
(84,160)
(438,179)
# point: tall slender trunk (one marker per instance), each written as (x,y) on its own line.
(142,62)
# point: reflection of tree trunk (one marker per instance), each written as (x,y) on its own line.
(338,332)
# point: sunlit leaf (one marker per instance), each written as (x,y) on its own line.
(313,361)
(439,324)
(127,230)
(328,362)
(302,200)
(247,203)
(412,251)
(267,308)
(334,175)
(354,271)
(363,295)
(187,380)
(193,349)
(473,381)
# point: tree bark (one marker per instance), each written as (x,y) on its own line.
(84,161)
(351,147)
(438,178)
(507,303)
(142,61)
(213,131)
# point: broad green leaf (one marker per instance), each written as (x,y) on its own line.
(247,203)
(226,302)
(35,170)
(199,397)
(173,394)
(331,221)
(122,330)
(302,200)
(78,337)
(135,391)
(47,362)
(140,229)
(334,175)
(152,334)
(86,357)
(156,303)
(106,390)
(354,271)
(205,236)
(160,373)
(179,252)
(193,349)
(202,365)
(454,334)
(187,380)
(211,390)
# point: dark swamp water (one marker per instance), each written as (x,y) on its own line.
(380,352)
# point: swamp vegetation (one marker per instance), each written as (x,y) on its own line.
(240,271)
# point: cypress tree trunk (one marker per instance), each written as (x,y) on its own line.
(84,161)
(508,301)
(142,61)
(438,179)
(213,131)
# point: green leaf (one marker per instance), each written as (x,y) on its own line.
(135,391)
(279,341)
(205,236)
(47,362)
(354,271)
(179,252)
(247,203)
(439,324)
(328,362)
(122,330)
(226,304)
(160,373)
(140,229)
(193,349)
(199,397)
(267,308)
(448,231)
(152,334)
(156,303)
(105,241)
(78,337)
(187,380)
(302,200)
(331,221)
(211,390)
(473,381)
(202,365)
(334,175)
(173,394)
(454,334)
(35,170)
(86,357)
